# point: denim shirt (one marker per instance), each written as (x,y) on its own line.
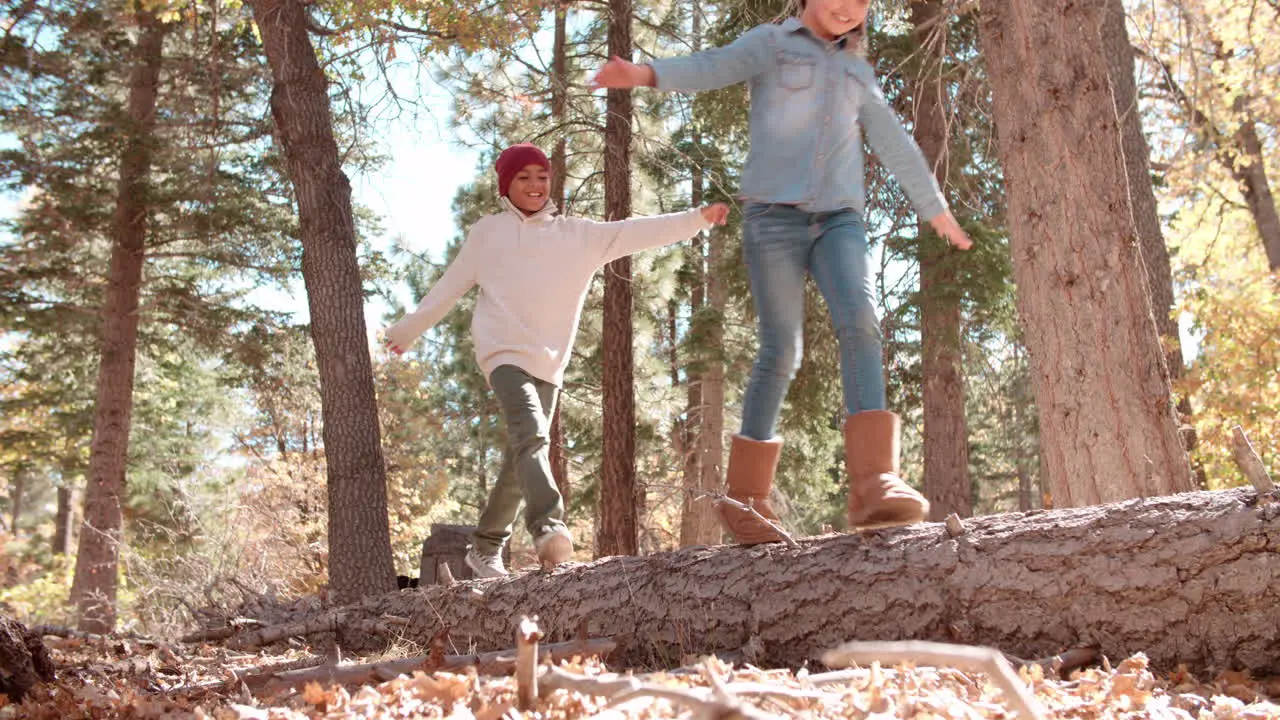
(807,98)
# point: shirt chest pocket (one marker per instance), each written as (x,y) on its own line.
(795,71)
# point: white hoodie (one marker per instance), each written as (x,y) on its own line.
(534,272)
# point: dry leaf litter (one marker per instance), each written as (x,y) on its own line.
(129,679)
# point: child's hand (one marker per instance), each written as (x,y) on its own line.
(619,73)
(392,346)
(950,230)
(715,213)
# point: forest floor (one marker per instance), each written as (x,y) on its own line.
(130,678)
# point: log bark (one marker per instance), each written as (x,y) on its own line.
(1186,579)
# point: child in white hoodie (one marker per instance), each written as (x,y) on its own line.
(534,268)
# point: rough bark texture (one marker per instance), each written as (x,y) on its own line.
(1107,425)
(93,590)
(360,559)
(1186,578)
(1137,161)
(24,660)
(621,497)
(559,167)
(946,433)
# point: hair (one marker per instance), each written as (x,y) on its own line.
(859,40)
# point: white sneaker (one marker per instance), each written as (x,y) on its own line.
(554,547)
(486,566)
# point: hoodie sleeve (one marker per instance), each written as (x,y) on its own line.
(608,241)
(458,278)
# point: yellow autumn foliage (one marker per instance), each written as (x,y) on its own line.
(1234,305)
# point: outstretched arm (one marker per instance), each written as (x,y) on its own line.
(613,240)
(899,152)
(458,278)
(712,69)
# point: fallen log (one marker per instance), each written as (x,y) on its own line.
(1188,578)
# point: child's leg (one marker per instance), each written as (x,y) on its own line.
(525,403)
(842,270)
(500,510)
(776,242)
(775,246)
(544,506)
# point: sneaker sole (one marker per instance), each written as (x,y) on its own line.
(483,572)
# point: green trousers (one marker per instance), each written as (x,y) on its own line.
(527,407)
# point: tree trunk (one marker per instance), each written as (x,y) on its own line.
(712,435)
(1107,425)
(698,522)
(62,521)
(1142,196)
(621,497)
(15,500)
(360,560)
(946,433)
(94,587)
(1184,578)
(1255,186)
(559,167)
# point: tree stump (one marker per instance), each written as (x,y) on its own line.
(448,544)
(1188,578)
(24,660)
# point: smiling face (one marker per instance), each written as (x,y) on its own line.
(829,19)
(529,188)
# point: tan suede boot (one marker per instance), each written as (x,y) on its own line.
(748,480)
(877,495)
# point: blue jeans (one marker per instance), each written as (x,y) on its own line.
(781,244)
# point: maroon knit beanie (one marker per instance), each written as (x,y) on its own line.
(513,160)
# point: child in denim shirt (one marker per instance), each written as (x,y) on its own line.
(812,95)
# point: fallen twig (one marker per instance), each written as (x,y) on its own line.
(64,632)
(1064,662)
(624,689)
(553,678)
(220,633)
(527,636)
(1250,464)
(718,499)
(444,576)
(237,638)
(963,657)
(490,663)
